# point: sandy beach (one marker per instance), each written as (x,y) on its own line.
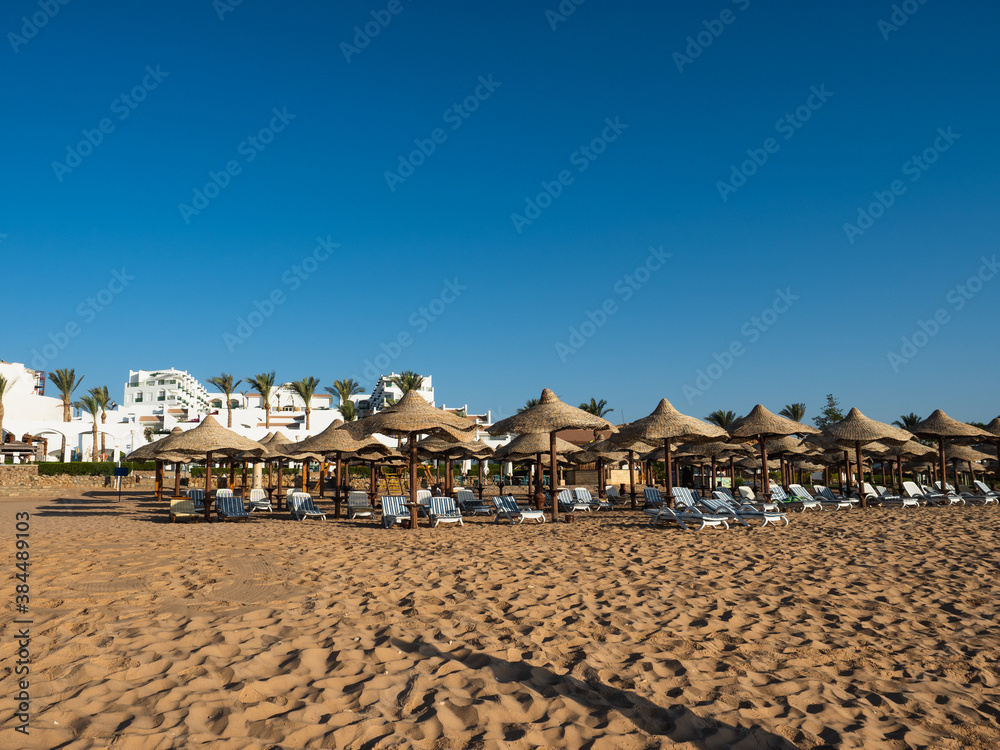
(857,629)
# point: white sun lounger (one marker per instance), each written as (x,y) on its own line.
(468,502)
(358,505)
(443,510)
(259,501)
(302,507)
(569,503)
(394,510)
(721,503)
(508,508)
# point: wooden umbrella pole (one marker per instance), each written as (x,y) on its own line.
(413,477)
(177,478)
(669,499)
(245,493)
(944,487)
(861,475)
(481,479)
(339,482)
(601,492)
(631,475)
(539,482)
(765,480)
(372,485)
(208,484)
(158,480)
(732,475)
(322,478)
(944,468)
(555,475)
(712,488)
(278,488)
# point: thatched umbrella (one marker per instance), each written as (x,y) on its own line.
(409,417)
(203,441)
(994,429)
(940,426)
(531,446)
(714,451)
(151,452)
(664,425)
(550,415)
(439,449)
(605,453)
(761,424)
(970,455)
(336,441)
(856,429)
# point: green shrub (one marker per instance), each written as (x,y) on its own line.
(89,469)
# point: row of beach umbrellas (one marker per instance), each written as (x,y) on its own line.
(665,431)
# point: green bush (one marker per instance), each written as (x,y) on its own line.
(89,469)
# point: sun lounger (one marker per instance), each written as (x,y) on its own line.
(468,502)
(508,508)
(887,498)
(653,497)
(684,515)
(302,507)
(424,498)
(837,502)
(259,501)
(721,503)
(967,497)
(568,503)
(394,510)
(800,498)
(613,497)
(358,505)
(925,494)
(950,497)
(583,495)
(229,507)
(183,508)
(988,495)
(443,510)
(197,497)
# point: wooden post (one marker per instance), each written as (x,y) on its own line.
(554,466)
(208,485)
(631,475)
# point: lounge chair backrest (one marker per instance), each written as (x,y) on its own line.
(611,491)
(423,496)
(777,493)
(566,497)
(799,491)
(231,506)
(653,496)
(464,496)
(393,505)
(223,493)
(443,506)
(983,488)
(683,497)
(583,495)
(181,505)
(196,494)
(358,499)
(727,494)
(302,501)
(747,493)
(506,504)
(257,494)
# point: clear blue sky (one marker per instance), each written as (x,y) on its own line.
(180,92)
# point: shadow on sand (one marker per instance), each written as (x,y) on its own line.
(676,723)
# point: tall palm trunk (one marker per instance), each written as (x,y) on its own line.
(308,411)
(93,452)
(104,436)
(62,450)
(229,411)
(66,414)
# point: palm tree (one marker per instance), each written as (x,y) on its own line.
(264,383)
(5,385)
(408,380)
(344,389)
(722,418)
(907,420)
(349,411)
(92,405)
(306,388)
(66,382)
(795,412)
(528,404)
(100,392)
(227,385)
(596,407)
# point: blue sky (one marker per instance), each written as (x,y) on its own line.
(632,201)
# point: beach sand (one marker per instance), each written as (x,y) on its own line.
(857,629)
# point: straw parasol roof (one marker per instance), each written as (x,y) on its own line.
(209,437)
(856,427)
(994,427)
(412,414)
(148,452)
(530,445)
(763,423)
(666,424)
(939,425)
(550,415)
(435,447)
(336,438)
(965,453)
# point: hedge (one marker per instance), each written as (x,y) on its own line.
(89,469)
